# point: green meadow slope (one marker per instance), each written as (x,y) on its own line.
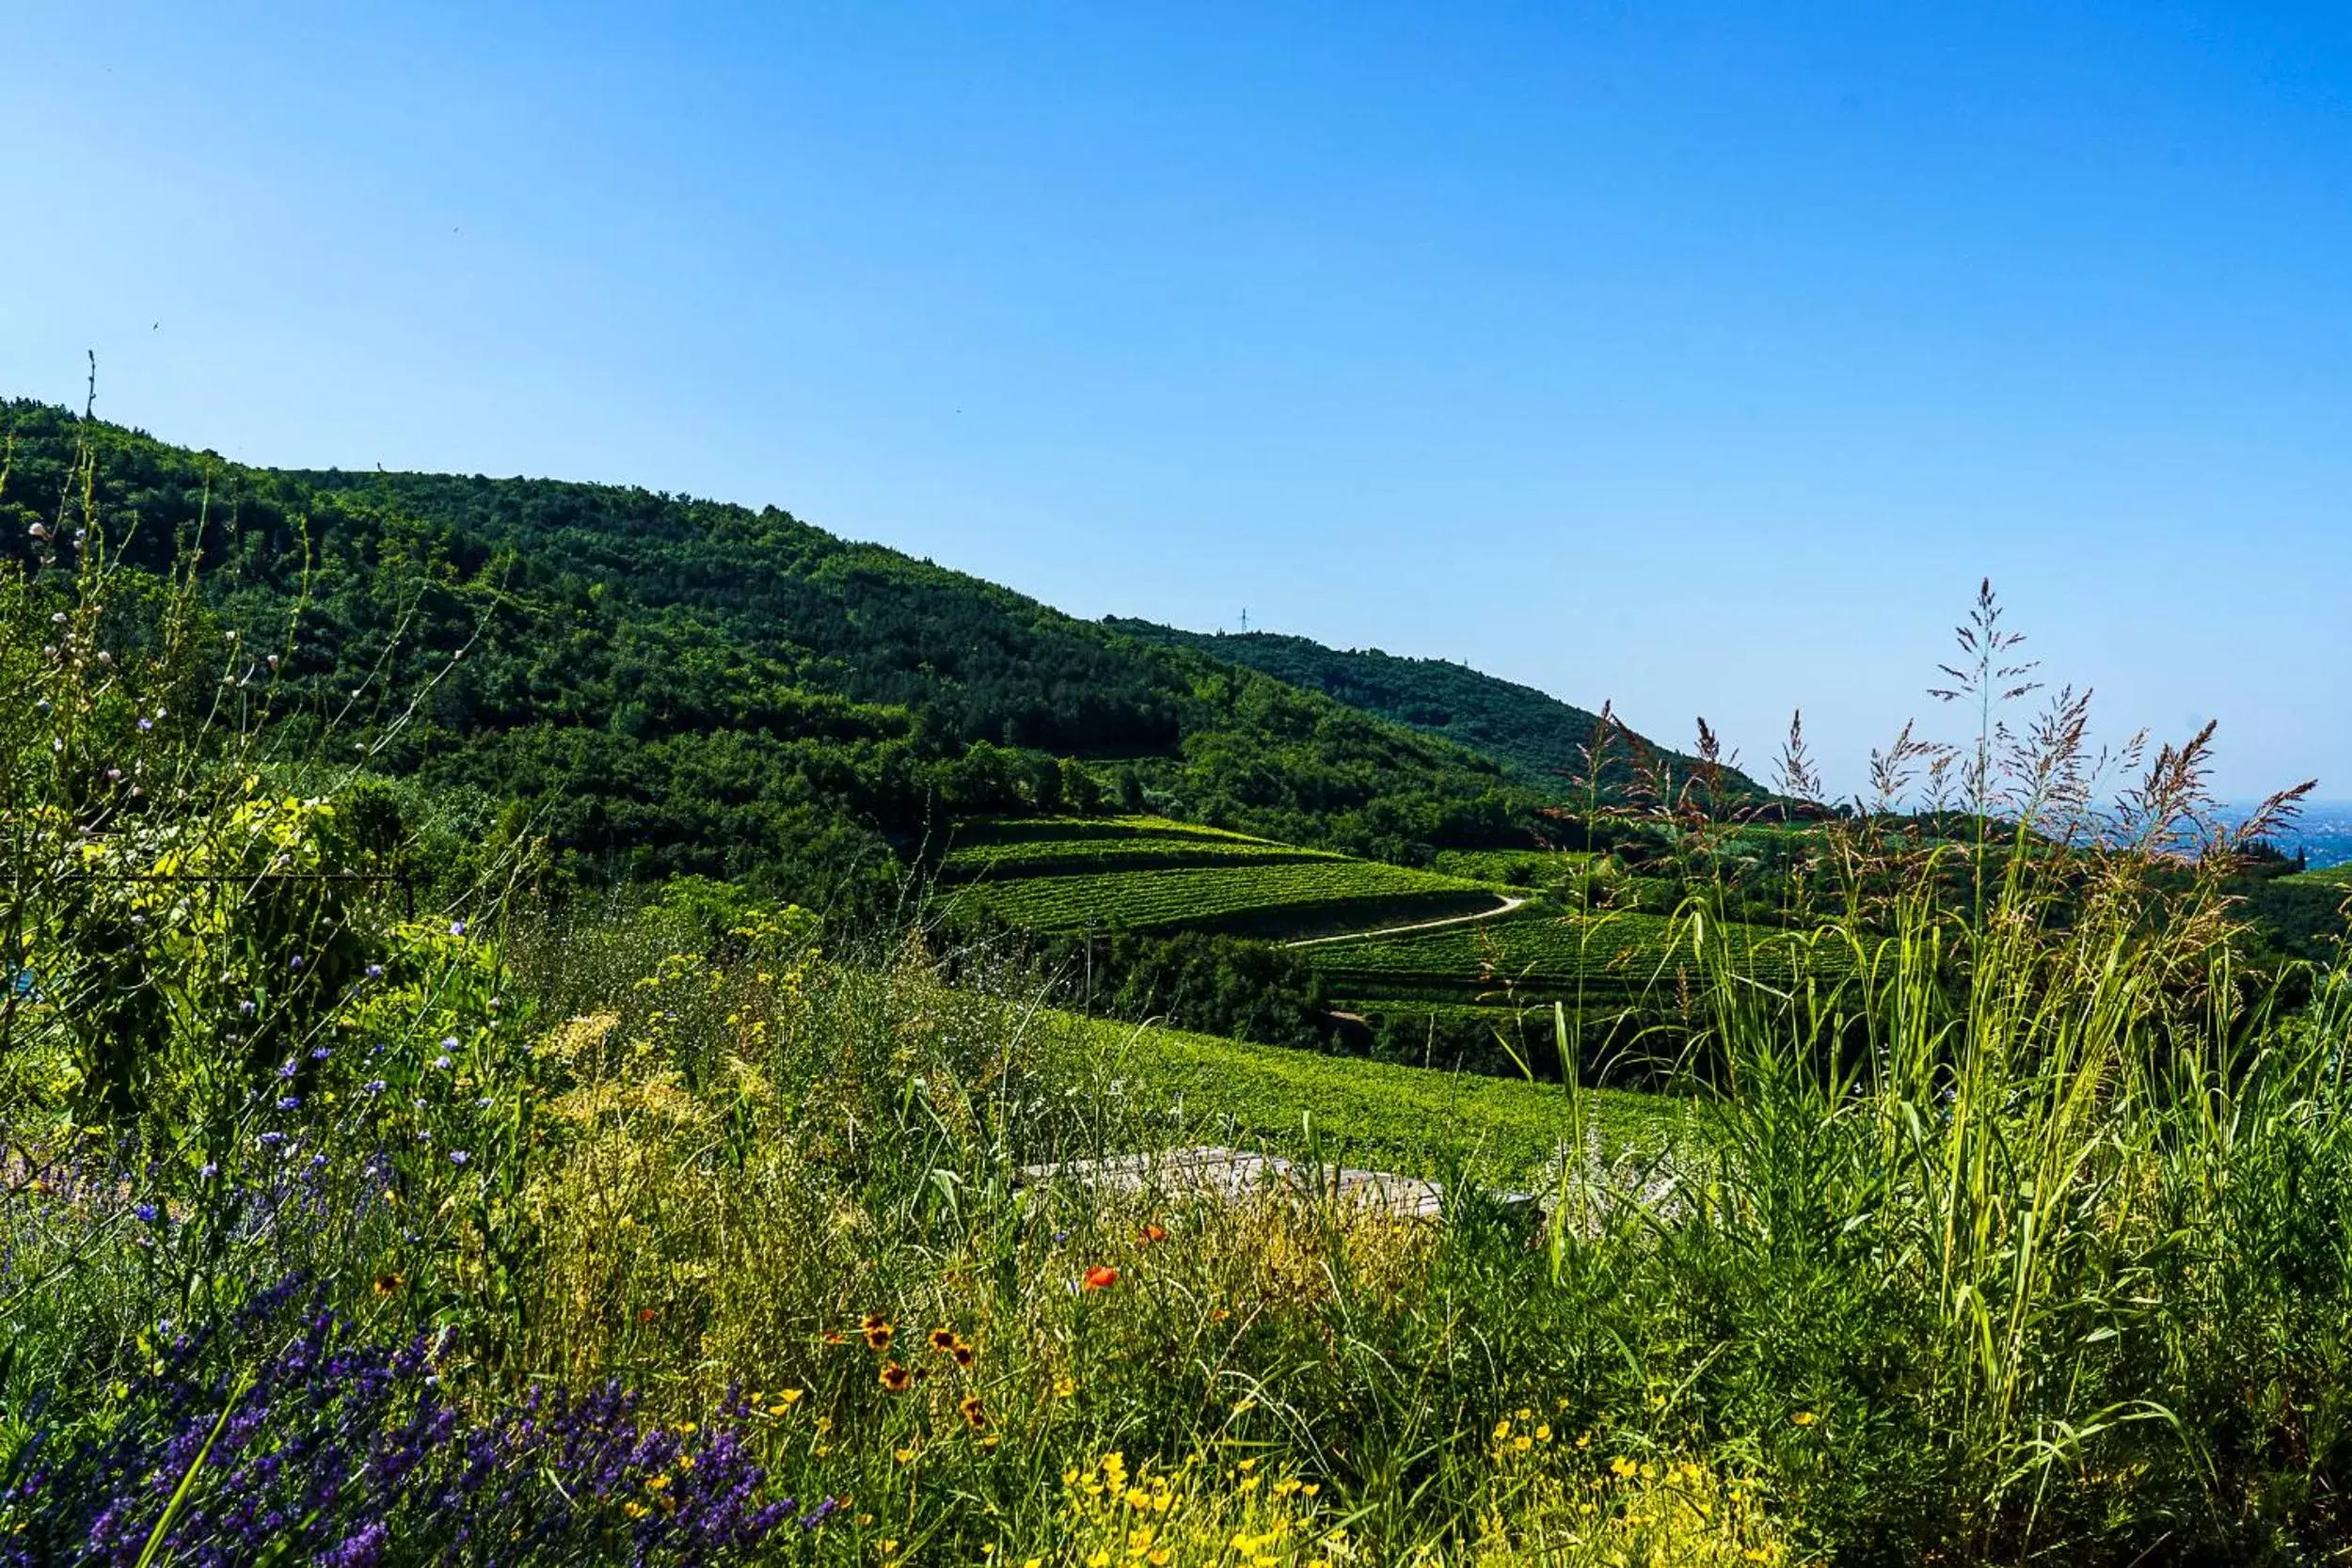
(1381,1115)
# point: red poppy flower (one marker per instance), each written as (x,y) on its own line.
(1154,1233)
(1101,1278)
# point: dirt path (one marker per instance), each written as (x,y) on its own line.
(1508,903)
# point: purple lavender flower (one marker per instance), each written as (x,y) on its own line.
(333,1451)
(288,1067)
(289,1102)
(295,962)
(375,972)
(362,1548)
(146,1211)
(443,1063)
(457,927)
(458,1157)
(374,1086)
(320,1053)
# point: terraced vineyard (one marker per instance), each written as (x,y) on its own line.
(1537,955)
(1059,847)
(1140,874)
(1518,867)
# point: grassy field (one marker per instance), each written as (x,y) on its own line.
(1376,1113)
(1142,874)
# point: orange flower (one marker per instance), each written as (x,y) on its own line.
(645,1314)
(1154,1233)
(895,1377)
(388,1284)
(974,1416)
(961,1352)
(1101,1278)
(877,1330)
(942,1340)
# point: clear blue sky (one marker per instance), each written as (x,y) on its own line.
(1700,357)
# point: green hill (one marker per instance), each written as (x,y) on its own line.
(1532,733)
(659,684)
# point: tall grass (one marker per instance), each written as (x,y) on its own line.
(2069,1184)
(2017,1226)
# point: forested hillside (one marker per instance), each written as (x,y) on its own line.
(1534,733)
(659,684)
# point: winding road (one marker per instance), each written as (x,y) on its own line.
(1508,903)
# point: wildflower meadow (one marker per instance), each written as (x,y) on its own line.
(364,1202)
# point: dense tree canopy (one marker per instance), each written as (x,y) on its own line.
(1534,733)
(669,685)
